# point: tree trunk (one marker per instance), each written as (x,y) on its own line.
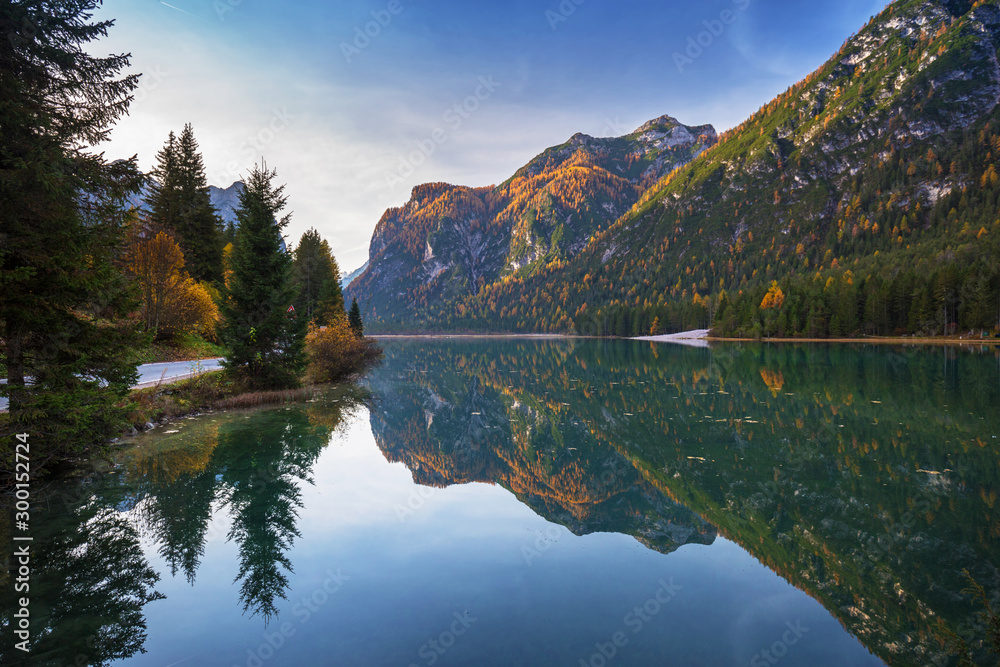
(15,372)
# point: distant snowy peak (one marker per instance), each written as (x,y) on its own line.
(349,278)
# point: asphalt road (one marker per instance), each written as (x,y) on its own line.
(172,370)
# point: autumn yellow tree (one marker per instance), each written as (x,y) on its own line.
(172,302)
(227,261)
(774,299)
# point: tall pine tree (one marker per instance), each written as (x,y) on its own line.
(66,339)
(179,200)
(331,295)
(317,279)
(164,192)
(354,319)
(265,336)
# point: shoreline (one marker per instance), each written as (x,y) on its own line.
(700,336)
(909,342)
(472,335)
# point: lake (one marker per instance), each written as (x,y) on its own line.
(546,502)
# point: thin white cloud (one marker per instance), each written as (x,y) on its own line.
(177,9)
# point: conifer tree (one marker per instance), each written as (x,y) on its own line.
(317,279)
(331,295)
(163,189)
(354,319)
(265,335)
(64,322)
(179,200)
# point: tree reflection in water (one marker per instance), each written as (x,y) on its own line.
(90,579)
(89,583)
(260,470)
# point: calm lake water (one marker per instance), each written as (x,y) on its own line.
(547,502)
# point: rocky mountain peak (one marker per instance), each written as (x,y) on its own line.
(663,123)
(581,139)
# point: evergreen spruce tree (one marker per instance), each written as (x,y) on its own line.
(179,200)
(228,234)
(164,192)
(331,295)
(66,339)
(354,319)
(317,279)
(265,336)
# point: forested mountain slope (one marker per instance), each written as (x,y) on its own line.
(868,191)
(449,242)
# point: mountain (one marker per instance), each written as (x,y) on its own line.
(449,241)
(227,200)
(862,200)
(352,276)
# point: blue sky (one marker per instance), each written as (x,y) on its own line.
(354,101)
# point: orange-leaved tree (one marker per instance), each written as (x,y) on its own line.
(774,299)
(172,302)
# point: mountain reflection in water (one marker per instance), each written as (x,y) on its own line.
(867,476)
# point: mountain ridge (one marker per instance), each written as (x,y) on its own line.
(226,201)
(448,241)
(872,172)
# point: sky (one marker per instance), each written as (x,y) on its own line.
(354,102)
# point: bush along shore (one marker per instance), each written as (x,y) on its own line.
(336,356)
(151,406)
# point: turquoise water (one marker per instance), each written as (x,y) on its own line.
(548,502)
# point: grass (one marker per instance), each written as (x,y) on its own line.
(185,348)
(209,391)
(167,401)
(259,398)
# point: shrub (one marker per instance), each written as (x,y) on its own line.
(335,352)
